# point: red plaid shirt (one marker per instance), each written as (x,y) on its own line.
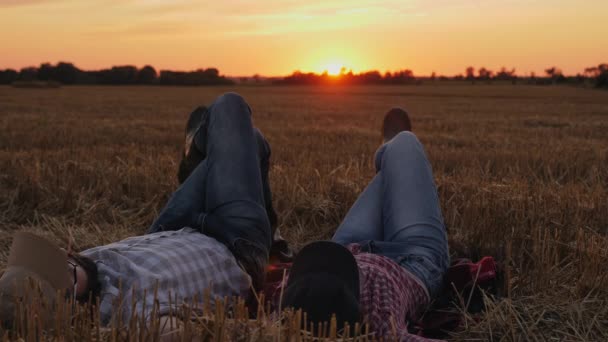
(389,296)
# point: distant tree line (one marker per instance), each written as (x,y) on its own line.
(598,76)
(368,77)
(67,73)
(600,73)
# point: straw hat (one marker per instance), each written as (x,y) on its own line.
(35,273)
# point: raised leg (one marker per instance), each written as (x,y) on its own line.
(398,215)
(224,194)
(410,200)
(264,153)
(364,219)
(414,232)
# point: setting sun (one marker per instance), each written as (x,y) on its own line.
(279,37)
(333,69)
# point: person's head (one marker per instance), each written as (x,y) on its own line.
(324,280)
(40,272)
(83,272)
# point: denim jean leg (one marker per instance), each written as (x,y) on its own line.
(398,214)
(411,214)
(186,204)
(227,184)
(264,153)
(234,196)
(364,219)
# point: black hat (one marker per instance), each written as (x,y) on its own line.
(324,280)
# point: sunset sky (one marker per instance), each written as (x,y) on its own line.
(276,37)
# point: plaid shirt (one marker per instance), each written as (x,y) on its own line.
(180,264)
(389,295)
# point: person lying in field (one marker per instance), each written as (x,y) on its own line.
(384,263)
(388,257)
(214,234)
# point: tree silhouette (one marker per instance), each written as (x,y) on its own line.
(146,75)
(208,76)
(66,73)
(27,74)
(592,71)
(555,74)
(470,74)
(601,80)
(8,76)
(485,74)
(552,71)
(124,74)
(46,72)
(506,75)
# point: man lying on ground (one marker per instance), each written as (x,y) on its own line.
(388,257)
(214,234)
(218,220)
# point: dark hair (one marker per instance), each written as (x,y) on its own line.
(90,268)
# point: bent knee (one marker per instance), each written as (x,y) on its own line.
(404,142)
(231,107)
(407,138)
(231,100)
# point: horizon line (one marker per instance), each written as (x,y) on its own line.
(347,70)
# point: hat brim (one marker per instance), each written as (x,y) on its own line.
(326,257)
(22,286)
(40,256)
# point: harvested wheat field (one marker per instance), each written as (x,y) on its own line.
(522,174)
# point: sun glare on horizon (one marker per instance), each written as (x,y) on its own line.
(333,69)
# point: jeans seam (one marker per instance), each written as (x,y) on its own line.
(201,221)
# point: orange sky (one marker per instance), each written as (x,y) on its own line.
(276,37)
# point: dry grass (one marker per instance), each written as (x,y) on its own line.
(522,175)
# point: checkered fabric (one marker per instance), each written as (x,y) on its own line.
(389,296)
(180,265)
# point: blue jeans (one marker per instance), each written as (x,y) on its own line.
(398,214)
(223,196)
